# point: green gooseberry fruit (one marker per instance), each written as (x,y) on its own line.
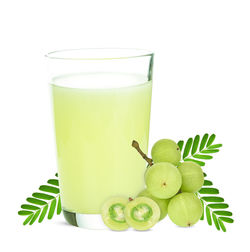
(185,209)
(113,213)
(142,213)
(163,180)
(166,150)
(162,203)
(192,176)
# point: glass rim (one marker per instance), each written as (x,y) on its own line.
(115,53)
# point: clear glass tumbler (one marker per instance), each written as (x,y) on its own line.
(101,101)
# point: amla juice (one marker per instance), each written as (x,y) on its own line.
(95,127)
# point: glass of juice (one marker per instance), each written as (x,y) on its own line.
(101,101)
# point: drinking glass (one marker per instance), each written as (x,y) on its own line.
(101,103)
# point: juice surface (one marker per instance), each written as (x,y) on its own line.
(94,131)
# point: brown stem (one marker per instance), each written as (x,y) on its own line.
(137,147)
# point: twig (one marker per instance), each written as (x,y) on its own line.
(137,147)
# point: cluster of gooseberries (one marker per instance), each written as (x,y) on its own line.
(170,189)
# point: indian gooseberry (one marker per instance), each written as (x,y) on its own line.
(166,150)
(162,203)
(163,180)
(142,213)
(192,176)
(113,213)
(185,209)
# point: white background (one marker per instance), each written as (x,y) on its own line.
(201,80)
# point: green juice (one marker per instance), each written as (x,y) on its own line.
(94,128)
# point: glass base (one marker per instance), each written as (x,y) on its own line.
(89,221)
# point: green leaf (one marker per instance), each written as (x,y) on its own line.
(213,199)
(41,203)
(52,209)
(204,147)
(180,144)
(201,163)
(209,151)
(28,219)
(187,147)
(210,140)
(219,206)
(199,156)
(195,144)
(226,219)
(202,216)
(45,209)
(215,146)
(43,196)
(50,189)
(215,221)
(36,201)
(29,207)
(208,190)
(203,141)
(53,182)
(204,174)
(223,228)
(59,206)
(208,215)
(223,213)
(207,183)
(23,212)
(35,217)
(216,203)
